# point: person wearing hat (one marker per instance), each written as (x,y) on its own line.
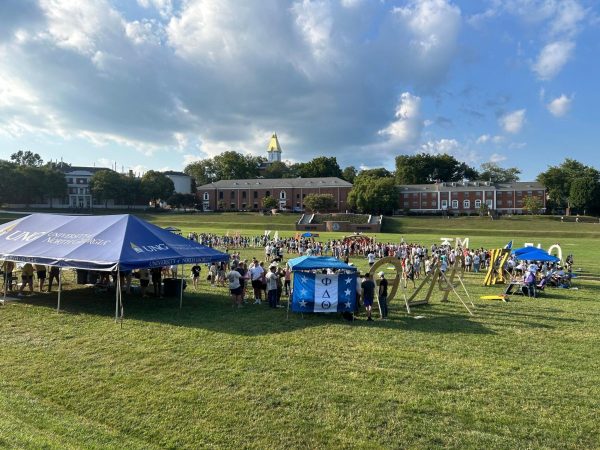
(382,296)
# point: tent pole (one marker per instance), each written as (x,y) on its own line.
(5,286)
(181,288)
(59,288)
(117,300)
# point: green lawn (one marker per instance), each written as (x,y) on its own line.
(523,374)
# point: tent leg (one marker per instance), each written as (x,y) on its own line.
(5,286)
(181,288)
(117,300)
(59,289)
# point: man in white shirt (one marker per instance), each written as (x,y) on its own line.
(272,286)
(371,258)
(256,275)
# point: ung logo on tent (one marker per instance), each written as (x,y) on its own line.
(148,248)
(18,235)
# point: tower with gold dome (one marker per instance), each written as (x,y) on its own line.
(274,150)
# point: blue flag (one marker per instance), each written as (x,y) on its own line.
(324,293)
(509,245)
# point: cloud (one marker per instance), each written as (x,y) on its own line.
(513,122)
(483,139)
(406,129)
(451,147)
(497,158)
(560,105)
(552,58)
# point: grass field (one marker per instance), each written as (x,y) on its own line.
(523,374)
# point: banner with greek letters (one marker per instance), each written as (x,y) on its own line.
(323,293)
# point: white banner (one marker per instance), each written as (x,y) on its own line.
(326,293)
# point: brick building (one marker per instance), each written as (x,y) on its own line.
(467,197)
(247,194)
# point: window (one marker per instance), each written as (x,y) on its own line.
(205,196)
(478,194)
(454,204)
(297,195)
(256,206)
(466,204)
(255,195)
(434,204)
(405,195)
(232,205)
(268,194)
(232,194)
(70,180)
(477,203)
(220,195)
(244,195)
(282,195)
(509,202)
(489,203)
(444,204)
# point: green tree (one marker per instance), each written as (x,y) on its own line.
(585,193)
(349,174)
(374,195)
(10,180)
(55,185)
(156,186)
(233,165)
(269,202)
(558,181)
(26,158)
(106,185)
(493,172)
(532,204)
(131,190)
(320,202)
(179,200)
(379,172)
(426,168)
(201,171)
(320,167)
(277,169)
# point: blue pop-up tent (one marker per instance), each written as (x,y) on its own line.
(533,254)
(318,262)
(103,243)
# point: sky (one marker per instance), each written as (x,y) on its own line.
(157,84)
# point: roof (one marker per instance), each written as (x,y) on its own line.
(277,183)
(318,262)
(274,144)
(173,172)
(71,169)
(472,186)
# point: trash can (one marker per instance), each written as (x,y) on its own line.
(172,287)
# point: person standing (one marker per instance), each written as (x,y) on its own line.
(41,273)
(144,281)
(54,274)
(26,278)
(271,278)
(368,294)
(287,276)
(196,269)
(382,296)
(8,268)
(156,273)
(256,274)
(235,288)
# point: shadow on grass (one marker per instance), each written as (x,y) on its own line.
(214,312)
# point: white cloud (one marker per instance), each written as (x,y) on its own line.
(497,158)
(552,58)
(560,105)
(513,122)
(406,129)
(450,147)
(483,139)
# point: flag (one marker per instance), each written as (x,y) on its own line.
(323,293)
(509,245)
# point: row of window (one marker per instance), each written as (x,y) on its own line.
(77,181)
(282,195)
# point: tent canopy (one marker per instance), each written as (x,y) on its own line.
(309,234)
(173,229)
(533,254)
(114,242)
(318,262)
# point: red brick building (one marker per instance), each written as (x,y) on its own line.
(467,197)
(247,194)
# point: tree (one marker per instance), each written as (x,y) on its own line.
(132,190)
(375,173)
(179,200)
(320,167)
(55,185)
(349,174)
(493,172)
(532,204)
(319,202)
(106,185)
(269,202)
(585,193)
(426,168)
(276,169)
(229,165)
(374,195)
(202,172)
(26,158)
(10,180)
(157,186)
(558,181)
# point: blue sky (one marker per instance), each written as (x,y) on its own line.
(155,84)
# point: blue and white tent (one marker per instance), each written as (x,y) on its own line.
(533,254)
(105,243)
